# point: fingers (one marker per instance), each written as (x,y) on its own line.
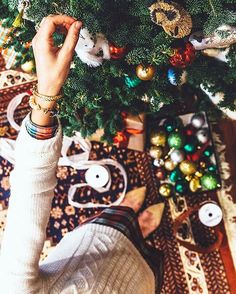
(49,24)
(68,47)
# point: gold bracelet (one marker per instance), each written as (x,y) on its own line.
(45,97)
(53,111)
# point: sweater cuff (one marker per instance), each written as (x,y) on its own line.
(36,161)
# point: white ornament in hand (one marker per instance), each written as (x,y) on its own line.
(88,48)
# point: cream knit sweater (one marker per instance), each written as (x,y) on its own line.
(91,259)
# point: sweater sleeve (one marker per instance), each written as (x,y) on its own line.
(32,188)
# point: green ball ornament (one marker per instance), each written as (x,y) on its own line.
(171,124)
(208,151)
(209,181)
(132,82)
(175,175)
(181,187)
(212,168)
(176,140)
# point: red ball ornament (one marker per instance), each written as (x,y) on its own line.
(116,52)
(160,173)
(189,130)
(183,56)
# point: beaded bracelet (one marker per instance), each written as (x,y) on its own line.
(53,111)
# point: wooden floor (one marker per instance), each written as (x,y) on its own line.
(228,129)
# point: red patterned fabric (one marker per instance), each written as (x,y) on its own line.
(184,271)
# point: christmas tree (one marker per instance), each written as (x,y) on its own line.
(132,54)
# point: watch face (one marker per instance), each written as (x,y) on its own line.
(210,214)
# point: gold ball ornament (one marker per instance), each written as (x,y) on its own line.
(194,184)
(158,138)
(170,165)
(145,73)
(165,190)
(187,167)
(156,152)
(28,66)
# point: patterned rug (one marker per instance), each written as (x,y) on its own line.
(185,271)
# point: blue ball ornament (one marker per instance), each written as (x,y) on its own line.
(172,77)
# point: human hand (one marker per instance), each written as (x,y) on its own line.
(53,63)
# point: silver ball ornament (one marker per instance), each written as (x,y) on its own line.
(158,162)
(177,156)
(202,135)
(198,120)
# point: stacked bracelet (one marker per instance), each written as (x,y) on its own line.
(52,111)
(39,132)
(35,95)
(45,97)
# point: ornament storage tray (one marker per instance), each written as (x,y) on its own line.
(183,154)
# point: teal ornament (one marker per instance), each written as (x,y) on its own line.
(171,124)
(172,77)
(212,168)
(209,181)
(176,140)
(132,82)
(208,151)
(189,148)
(175,175)
(181,186)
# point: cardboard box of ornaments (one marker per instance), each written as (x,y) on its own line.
(183,154)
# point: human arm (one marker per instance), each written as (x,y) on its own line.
(33,179)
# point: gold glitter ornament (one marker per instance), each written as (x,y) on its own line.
(28,66)
(170,165)
(175,21)
(156,152)
(165,190)
(194,184)
(158,138)
(187,167)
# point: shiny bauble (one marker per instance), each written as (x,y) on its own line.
(187,167)
(160,173)
(176,140)
(198,120)
(212,168)
(158,162)
(132,82)
(116,52)
(181,186)
(175,175)
(189,148)
(202,135)
(189,130)
(156,152)
(145,73)
(165,190)
(176,79)
(169,164)
(208,151)
(209,181)
(171,124)
(177,156)
(28,66)
(183,56)
(158,138)
(194,184)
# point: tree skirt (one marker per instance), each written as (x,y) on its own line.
(185,271)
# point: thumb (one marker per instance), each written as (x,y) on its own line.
(71,40)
